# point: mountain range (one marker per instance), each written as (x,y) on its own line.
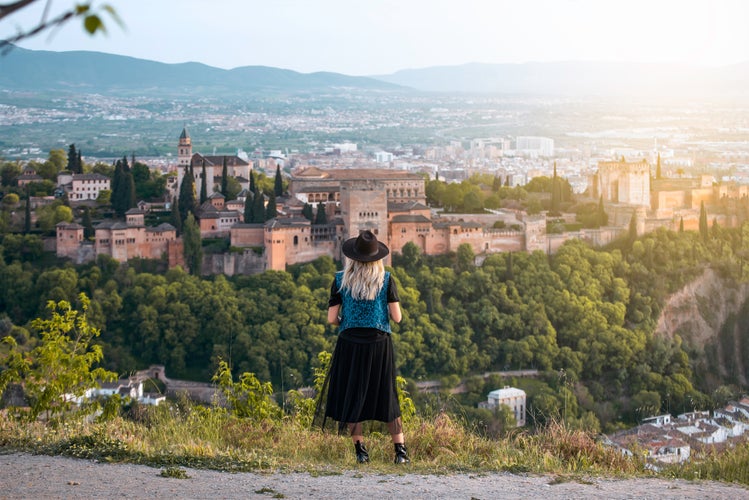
(96,72)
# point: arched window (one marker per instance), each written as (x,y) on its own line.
(296,240)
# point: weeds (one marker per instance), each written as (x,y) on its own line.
(181,434)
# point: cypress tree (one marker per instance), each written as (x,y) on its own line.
(79,163)
(322,217)
(681,225)
(258,207)
(187,194)
(88,226)
(176,218)
(248,208)
(555,192)
(253,188)
(507,181)
(27,213)
(497,183)
(632,237)
(603,217)
(270,210)
(278,184)
(225,179)
(703,222)
(658,167)
(307,212)
(203,184)
(193,246)
(72,159)
(119,190)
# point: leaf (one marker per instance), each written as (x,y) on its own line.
(93,24)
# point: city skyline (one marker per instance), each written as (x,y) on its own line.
(387,36)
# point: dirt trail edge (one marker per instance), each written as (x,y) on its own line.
(37,476)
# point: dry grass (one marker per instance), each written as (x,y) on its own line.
(185,435)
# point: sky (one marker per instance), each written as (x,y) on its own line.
(375,37)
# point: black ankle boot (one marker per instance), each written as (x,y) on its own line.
(401,455)
(361,452)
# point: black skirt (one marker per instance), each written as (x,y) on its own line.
(360,384)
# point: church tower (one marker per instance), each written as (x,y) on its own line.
(184,148)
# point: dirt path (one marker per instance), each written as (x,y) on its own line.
(41,477)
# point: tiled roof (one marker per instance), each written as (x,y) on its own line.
(410,218)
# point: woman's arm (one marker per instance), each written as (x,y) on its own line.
(395,311)
(333,314)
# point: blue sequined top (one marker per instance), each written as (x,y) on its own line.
(356,313)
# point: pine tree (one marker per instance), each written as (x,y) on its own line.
(88,226)
(225,179)
(322,217)
(307,212)
(278,184)
(203,184)
(271,211)
(703,222)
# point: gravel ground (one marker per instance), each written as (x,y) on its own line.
(38,477)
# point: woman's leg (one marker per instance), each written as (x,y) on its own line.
(356,432)
(396,430)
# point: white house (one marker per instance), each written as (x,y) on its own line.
(511,397)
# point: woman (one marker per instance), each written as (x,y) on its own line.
(361,380)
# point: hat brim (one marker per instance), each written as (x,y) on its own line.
(349,250)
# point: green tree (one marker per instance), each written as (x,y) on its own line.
(27,212)
(50,215)
(556,193)
(703,222)
(271,211)
(632,233)
(193,245)
(203,184)
(225,179)
(258,207)
(658,174)
(73,159)
(186,200)
(681,224)
(174,217)
(602,217)
(88,226)
(308,212)
(9,171)
(248,398)
(321,217)
(249,203)
(465,258)
(278,182)
(61,367)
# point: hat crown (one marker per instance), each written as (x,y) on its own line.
(366,244)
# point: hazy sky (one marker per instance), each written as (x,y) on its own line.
(369,37)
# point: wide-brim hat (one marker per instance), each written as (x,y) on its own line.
(364,248)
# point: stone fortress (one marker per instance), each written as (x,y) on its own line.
(390,203)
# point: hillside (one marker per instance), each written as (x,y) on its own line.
(578,79)
(96,72)
(708,315)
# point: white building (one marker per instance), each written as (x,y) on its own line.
(83,187)
(534,146)
(383,157)
(511,397)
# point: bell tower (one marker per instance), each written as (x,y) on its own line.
(184,148)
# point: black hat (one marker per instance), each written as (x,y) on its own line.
(364,248)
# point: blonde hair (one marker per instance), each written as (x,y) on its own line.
(363,279)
